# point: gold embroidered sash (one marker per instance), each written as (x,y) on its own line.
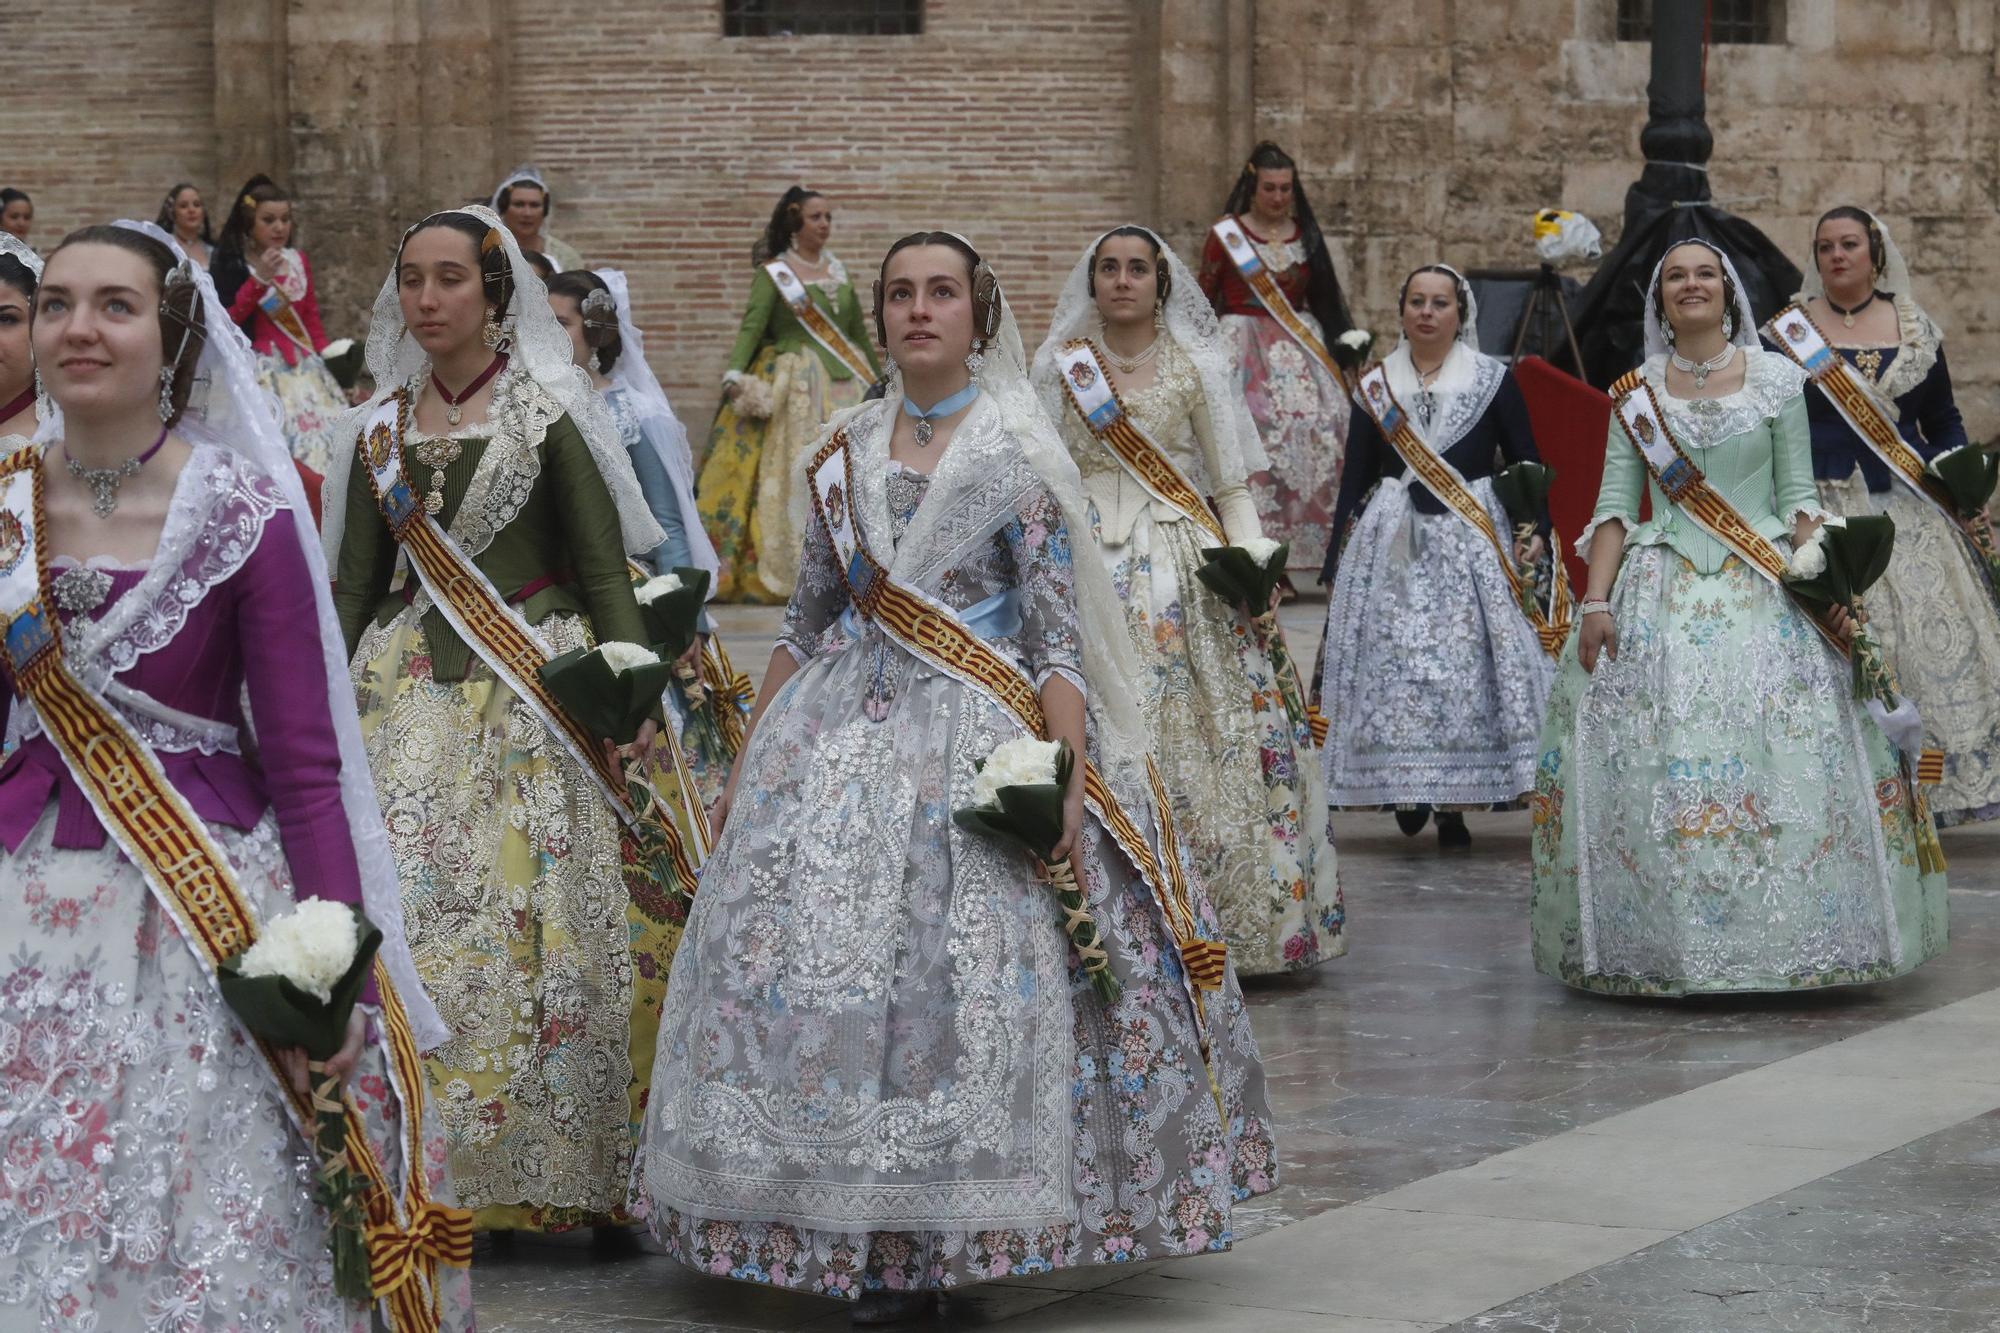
(1449,485)
(1263,284)
(823,330)
(471,604)
(933,632)
(279,310)
(195,883)
(1794,332)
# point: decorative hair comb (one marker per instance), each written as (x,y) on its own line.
(600,308)
(490,242)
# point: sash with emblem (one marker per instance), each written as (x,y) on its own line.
(1793,332)
(1552,625)
(408,1234)
(278,308)
(1638,414)
(935,634)
(823,330)
(474,607)
(1264,285)
(1096,400)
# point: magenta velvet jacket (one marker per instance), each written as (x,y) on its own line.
(223,615)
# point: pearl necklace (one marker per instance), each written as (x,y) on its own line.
(1701,370)
(1131,365)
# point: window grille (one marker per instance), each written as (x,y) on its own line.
(808,18)
(1737,22)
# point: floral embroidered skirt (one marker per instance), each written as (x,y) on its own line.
(546,955)
(711,735)
(751,493)
(310,403)
(1933,613)
(879,1067)
(153,1178)
(1713,811)
(1249,799)
(1301,414)
(1434,682)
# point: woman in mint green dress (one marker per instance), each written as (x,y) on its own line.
(1713,811)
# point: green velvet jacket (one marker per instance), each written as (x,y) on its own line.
(770,320)
(566,530)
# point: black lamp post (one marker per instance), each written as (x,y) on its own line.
(1670,203)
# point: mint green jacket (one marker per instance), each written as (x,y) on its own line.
(1754,447)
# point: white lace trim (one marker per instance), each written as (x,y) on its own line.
(1916,349)
(516,425)
(1769,382)
(1582,546)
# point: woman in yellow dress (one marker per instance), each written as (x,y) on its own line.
(784,380)
(535,923)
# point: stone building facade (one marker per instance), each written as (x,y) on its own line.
(1427,128)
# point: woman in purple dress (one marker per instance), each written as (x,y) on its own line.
(155,1175)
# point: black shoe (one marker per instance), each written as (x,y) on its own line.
(613,1243)
(1453,835)
(1412,819)
(892,1307)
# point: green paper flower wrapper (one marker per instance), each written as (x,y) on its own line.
(1967,475)
(1857,552)
(607,701)
(344,359)
(1030,815)
(281,1013)
(1234,575)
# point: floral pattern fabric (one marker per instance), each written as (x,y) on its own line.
(1249,800)
(310,404)
(879,1067)
(1301,412)
(1434,683)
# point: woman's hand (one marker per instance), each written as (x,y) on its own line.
(1528,550)
(730,390)
(1071,842)
(645,746)
(718,814)
(1842,624)
(692,657)
(293,1059)
(1599,631)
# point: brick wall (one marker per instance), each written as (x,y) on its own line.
(1006,122)
(1433,128)
(106,104)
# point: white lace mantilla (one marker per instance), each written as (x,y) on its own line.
(1769,382)
(1463,409)
(836,273)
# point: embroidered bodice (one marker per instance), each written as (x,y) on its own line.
(1912,375)
(1174,414)
(1753,446)
(1029,555)
(1478,431)
(1230,295)
(769,319)
(222,615)
(525,500)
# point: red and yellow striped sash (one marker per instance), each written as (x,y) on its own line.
(1263,284)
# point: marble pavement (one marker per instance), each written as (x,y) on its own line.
(1469,1146)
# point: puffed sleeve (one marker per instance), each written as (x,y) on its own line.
(819,596)
(367,557)
(284,673)
(1038,540)
(589,521)
(1791,461)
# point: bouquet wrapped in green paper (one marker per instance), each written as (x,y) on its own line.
(1247,576)
(1838,563)
(1523,490)
(611,689)
(1018,798)
(672,604)
(1350,350)
(343,358)
(1967,476)
(297,986)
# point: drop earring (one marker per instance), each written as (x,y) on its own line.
(166,394)
(975,360)
(491,332)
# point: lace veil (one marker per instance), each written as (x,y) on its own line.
(663,431)
(1191,322)
(1460,371)
(1745,334)
(1895,275)
(14,246)
(230,410)
(541,347)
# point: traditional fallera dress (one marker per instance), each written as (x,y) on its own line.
(1933,612)
(544,943)
(154,1176)
(1713,810)
(1434,682)
(282,320)
(879,1069)
(1249,801)
(1300,407)
(756,449)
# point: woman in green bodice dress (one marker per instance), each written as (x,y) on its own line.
(802,353)
(1713,810)
(536,926)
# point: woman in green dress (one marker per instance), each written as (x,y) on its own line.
(1713,810)
(802,353)
(537,928)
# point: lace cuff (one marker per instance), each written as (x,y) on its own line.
(730,377)
(1070,674)
(1582,547)
(1817,513)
